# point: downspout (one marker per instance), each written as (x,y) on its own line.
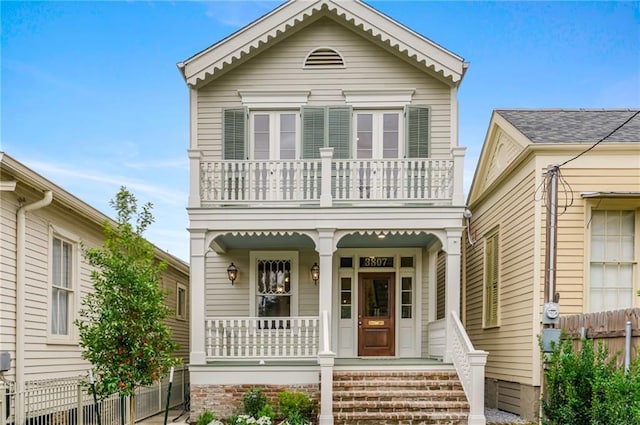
(21,228)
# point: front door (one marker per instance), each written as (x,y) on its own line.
(376,325)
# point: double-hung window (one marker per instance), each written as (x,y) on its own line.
(612,260)
(62,287)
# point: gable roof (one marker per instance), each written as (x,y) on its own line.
(295,14)
(574,125)
(514,132)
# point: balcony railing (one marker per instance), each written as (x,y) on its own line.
(261,337)
(326,181)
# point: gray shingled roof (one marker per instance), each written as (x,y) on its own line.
(574,125)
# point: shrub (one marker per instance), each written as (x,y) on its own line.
(205,418)
(294,407)
(583,388)
(253,401)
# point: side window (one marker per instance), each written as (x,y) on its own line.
(63,287)
(491,281)
(612,260)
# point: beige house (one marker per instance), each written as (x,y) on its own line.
(504,257)
(43,276)
(326,214)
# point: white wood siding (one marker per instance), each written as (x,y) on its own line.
(280,68)
(510,210)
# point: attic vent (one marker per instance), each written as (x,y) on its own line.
(324,57)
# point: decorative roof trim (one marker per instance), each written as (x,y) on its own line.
(378,98)
(256,35)
(610,194)
(274,98)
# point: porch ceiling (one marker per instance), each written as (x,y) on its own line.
(271,241)
(390,240)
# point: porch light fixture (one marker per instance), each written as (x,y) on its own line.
(232,273)
(315,273)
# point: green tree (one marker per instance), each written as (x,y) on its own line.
(122,323)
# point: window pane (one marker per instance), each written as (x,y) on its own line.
(406,297)
(346,262)
(365,136)
(287,136)
(406,261)
(65,281)
(406,284)
(274,277)
(390,136)
(261,136)
(597,275)
(57,260)
(346,283)
(345,312)
(406,312)
(346,297)
(274,306)
(597,248)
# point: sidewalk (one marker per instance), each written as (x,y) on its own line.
(159,418)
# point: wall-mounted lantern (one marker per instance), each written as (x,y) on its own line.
(315,273)
(232,273)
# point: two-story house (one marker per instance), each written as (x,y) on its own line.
(598,233)
(326,214)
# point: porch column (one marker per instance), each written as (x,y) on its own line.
(452,294)
(458,175)
(196,294)
(326,356)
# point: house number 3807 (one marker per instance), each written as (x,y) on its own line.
(376,262)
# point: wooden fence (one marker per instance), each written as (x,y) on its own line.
(608,327)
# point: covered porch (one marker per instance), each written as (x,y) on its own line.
(372,304)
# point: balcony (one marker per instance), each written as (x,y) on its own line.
(327,181)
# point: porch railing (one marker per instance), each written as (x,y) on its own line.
(301,181)
(469,364)
(261,337)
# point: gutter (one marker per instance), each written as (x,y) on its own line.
(21,230)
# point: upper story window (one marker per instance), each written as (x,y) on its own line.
(181,301)
(274,134)
(63,287)
(612,260)
(324,57)
(363,133)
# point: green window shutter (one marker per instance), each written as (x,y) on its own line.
(313,129)
(417,122)
(491,281)
(234,133)
(339,134)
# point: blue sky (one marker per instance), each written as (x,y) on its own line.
(92,98)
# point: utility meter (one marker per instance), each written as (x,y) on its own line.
(550,313)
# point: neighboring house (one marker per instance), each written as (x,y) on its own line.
(325,169)
(597,243)
(43,276)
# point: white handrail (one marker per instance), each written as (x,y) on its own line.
(469,364)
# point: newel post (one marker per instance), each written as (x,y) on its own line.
(477,361)
(326,155)
(457,197)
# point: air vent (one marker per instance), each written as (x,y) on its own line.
(324,57)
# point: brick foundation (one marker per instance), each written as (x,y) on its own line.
(226,400)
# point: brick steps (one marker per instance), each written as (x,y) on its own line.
(398,398)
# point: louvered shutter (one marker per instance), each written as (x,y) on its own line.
(417,119)
(339,134)
(234,133)
(491,282)
(313,131)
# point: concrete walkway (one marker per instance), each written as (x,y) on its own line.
(159,418)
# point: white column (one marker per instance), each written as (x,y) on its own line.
(194,178)
(452,294)
(197,296)
(326,200)
(326,356)
(458,175)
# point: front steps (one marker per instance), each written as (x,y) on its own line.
(398,397)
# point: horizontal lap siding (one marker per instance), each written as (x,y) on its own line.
(509,345)
(42,358)
(180,327)
(224,299)
(280,68)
